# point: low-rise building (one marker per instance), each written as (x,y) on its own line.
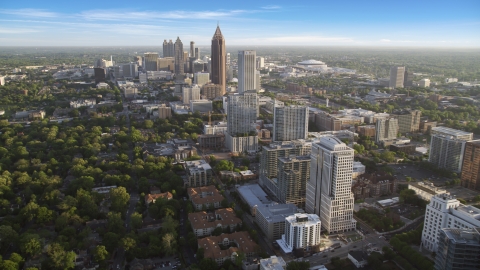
(253,196)
(228,246)
(211,141)
(199,173)
(205,197)
(273,263)
(426,190)
(404,148)
(374,185)
(203,223)
(358,169)
(152,198)
(358,258)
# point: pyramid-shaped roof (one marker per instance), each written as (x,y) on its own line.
(218,33)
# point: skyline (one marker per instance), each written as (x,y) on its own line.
(350,23)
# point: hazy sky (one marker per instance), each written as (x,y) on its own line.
(313,22)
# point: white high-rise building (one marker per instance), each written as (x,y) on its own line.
(302,231)
(290,123)
(386,129)
(447,147)
(260,62)
(329,192)
(190,93)
(445,211)
(242,111)
(247,71)
(201,78)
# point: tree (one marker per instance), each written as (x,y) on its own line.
(119,198)
(217,231)
(208,264)
(224,165)
(169,244)
(8,265)
(110,240)
(100,253)
(293,265)
(58,258)
(115,222)
(7,236)
(128,243)
(30,244)
(136,220)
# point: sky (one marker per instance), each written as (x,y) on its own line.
(420,23)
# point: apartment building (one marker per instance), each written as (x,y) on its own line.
(199,173)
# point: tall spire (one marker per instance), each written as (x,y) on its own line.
(218,33)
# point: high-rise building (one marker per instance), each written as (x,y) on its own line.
(192,49)
(201,78)
(179,59)
(99,74)
(471,165)
(445,211)
(218,58)
(293,174)
(329,192)
(260,62)
(150,61)
(386,129)
(302,231)
(397,75)
(290,122)
(168,49)
(190,93)
(408,120)
(458,249)
(211,91)
(408,78)
(197,53)
(447,147)
(138,60)
(130,70)
(166,64)
(242,112)
(424,83)
(246,71)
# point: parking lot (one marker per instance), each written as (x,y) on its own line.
(417,173)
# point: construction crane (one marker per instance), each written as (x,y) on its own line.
(210,117)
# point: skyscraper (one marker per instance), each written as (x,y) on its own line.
(151,61)
(241,114)
(408,78)
(190,93)
(290,122)
(246,71)
(218,66)
(408,120)
(329,192)
(192,48)
(471,165)
(447,147)
(179,59)
(197,53)
(396,77)
(168,49)
(293,174)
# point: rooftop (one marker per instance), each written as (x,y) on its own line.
(463,236)
(358,255)
(303,219)
(254,195)
(311,62)
(211,245)
(221,217)
(277,212)
(273,263)
(470,210)
(450,131)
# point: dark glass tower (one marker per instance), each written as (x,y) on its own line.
(218,60)
(179,58)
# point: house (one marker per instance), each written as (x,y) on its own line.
(358,258)
(152,198)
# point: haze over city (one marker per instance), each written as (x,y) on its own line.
(317,23)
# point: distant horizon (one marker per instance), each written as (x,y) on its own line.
(349,23)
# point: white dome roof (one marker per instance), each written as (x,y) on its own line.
(311,62)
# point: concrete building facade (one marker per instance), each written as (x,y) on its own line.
(447,147)
(290,123)
(458,249)
(471,165)
(293,174)
(271,219)
(302,231)
(247,71)
(386,129)
(397,77)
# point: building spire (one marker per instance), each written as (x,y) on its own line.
(218,33)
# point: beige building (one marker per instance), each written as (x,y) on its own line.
(205,197)
(203,223)
(408,121)
(426,190)
(397,75)
(211,91)
(164,112)
(166,64)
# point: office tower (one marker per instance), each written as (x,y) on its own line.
(192,48)
(408,120)
(329,192)
(150,61)
(130,70)
(290,122)
(408,78)
(396,77)
(179,59)
(190,93)
(228,59)
(211,91)
(168,49)
(471,165)
(199,66)
(197,53)
(445,211)
(166,64)
(246,71)
(218,58)
(117,72)
(302,231)
(201,78)
(447,147)
(260,62)
(241,114)
(258,85)
(386,129)
(293,174)
(458,249)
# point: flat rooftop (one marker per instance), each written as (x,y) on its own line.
(277,212)
(464,236)
(253,195)
(470,210)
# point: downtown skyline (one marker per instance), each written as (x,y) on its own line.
(350,23)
